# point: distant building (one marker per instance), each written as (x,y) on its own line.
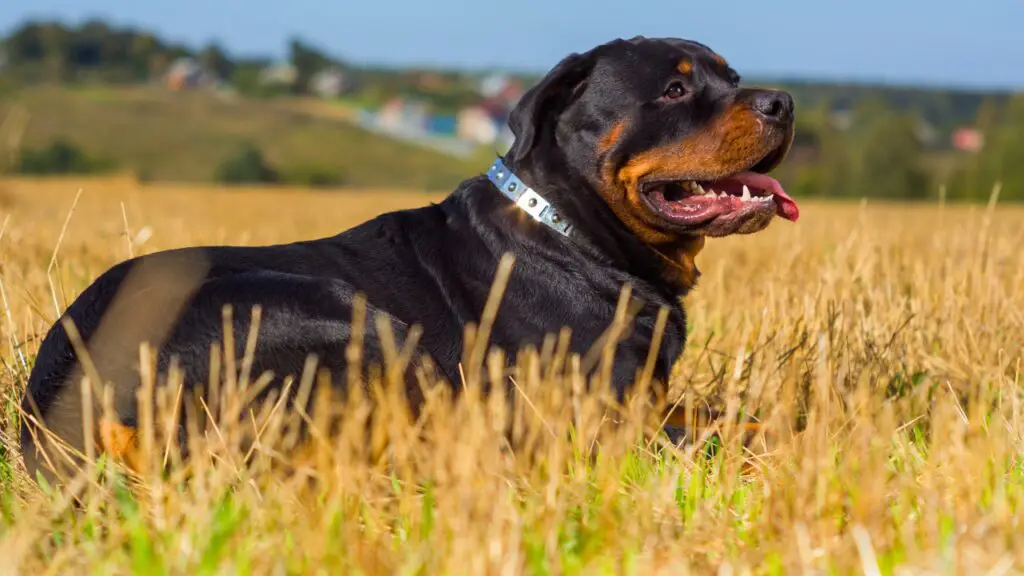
(403,115)
(442,125)
(968,140)
(329,83)
(188,74)
(280,74)
(491,85)
(485,123)
(476,124)
(511,93)
(501,88)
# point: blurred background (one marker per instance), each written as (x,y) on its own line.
(901,100)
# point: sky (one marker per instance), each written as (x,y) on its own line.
(930,42)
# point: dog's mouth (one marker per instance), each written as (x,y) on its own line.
(738,203)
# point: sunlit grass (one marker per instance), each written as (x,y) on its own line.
(880,345)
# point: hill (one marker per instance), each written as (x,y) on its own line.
(184,136)
(99,52)
(292,120)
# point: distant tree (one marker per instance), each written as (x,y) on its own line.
(891,159)
(246,166)
(1000,159)
(1008,149)
(142,51)
(94,51)
(887,155)
(56,43)
(315,177)
(831,171)
(26,45)
(975,175)
(92,46)
(213,58)
(158,63)
(60,157)
(246,78)
(1003,154)
(307,62)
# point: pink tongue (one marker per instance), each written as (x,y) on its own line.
(787,206)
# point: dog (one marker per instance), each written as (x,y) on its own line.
(625,159)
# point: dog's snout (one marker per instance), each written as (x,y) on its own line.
(774,105)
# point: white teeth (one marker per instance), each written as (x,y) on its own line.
(723,195)
(746,194)
(688,185)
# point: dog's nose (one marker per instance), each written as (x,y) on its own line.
(774,105)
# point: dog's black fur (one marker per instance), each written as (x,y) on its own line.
(431,266)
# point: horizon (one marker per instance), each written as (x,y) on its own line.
(932,59)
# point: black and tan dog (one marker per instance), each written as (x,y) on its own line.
(627,156)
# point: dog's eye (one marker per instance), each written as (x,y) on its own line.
(675,91)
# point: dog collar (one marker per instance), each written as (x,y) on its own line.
(527,198)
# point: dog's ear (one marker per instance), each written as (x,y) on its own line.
(546,100)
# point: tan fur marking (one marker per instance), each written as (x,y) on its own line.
(685,66)
(677,417)
(728,145)
(120,441)
(611,137)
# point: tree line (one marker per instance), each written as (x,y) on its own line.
(879,152)
(852,141)
(46,51)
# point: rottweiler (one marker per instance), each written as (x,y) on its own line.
(625,159)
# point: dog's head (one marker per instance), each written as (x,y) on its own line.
(663,132)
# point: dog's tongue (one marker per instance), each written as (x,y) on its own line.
(787,207)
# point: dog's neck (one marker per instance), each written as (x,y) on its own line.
(595,228)
(527,199)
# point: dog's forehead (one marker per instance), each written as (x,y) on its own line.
(677,47)
(644,59)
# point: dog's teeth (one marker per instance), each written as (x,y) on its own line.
(746,193)
(722,195)
(688,185)
(698,189)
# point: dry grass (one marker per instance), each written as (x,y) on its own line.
(880,343)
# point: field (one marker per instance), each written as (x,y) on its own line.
(880,344)
(183,137)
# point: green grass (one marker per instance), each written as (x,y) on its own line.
(167,136)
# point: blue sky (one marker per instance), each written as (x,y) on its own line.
(938,42)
